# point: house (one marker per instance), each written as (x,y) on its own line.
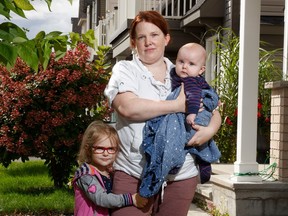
(195,21)
(189,20)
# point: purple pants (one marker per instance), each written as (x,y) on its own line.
(178,196)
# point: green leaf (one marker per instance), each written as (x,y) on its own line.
(19,12)
(8,52)
(19,40)
(13,30)
(89,38)
(46,54)
(49,4)
(53,34)
(4,11)
(40,35)
(59,54)
(24,4)
(13,7)
(60,46)
(60,43)
(27,52)
(6,36)
(75,38)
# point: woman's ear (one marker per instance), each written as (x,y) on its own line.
(167,39)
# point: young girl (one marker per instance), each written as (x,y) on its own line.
(92,181)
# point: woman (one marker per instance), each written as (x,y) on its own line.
(137,91)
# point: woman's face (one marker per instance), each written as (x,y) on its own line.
(150,42)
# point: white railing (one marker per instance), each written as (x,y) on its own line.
(100,33)
(170,9)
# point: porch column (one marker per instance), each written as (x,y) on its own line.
(246,164)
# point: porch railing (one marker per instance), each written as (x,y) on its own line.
(170,9)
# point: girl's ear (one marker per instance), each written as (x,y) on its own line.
(88,150)
(86,147)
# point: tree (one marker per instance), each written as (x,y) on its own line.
(48,94)
(14,42)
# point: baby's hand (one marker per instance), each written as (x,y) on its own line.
(190,119)
(139,201)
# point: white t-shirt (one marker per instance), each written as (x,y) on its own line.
(134,77)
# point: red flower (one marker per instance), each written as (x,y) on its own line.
(259,105)
(236,112)
(228,121)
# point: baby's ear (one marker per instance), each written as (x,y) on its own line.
(202,70)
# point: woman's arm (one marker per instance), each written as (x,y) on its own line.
(204,134)
(138,109)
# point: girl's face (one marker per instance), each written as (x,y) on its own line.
(150,42)
(103,154)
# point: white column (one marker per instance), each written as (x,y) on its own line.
(248,92)
(285,42)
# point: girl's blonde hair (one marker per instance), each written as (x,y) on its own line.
(94,133)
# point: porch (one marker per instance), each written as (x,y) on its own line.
(269,197)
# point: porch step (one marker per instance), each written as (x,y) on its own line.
(196,211)
(204,191)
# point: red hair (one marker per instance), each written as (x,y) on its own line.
(153,17)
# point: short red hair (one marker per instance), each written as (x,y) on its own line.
(153,17)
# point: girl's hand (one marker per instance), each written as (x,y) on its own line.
(139,201)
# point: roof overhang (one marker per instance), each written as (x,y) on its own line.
(205,13)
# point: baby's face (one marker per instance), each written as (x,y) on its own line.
(189,63)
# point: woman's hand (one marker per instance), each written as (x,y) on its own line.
(202,135)
(181,100)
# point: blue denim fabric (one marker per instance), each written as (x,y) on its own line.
(164,140)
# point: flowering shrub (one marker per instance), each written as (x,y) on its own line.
(44,114)
(226,83)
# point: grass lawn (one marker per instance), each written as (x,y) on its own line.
(26,189)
